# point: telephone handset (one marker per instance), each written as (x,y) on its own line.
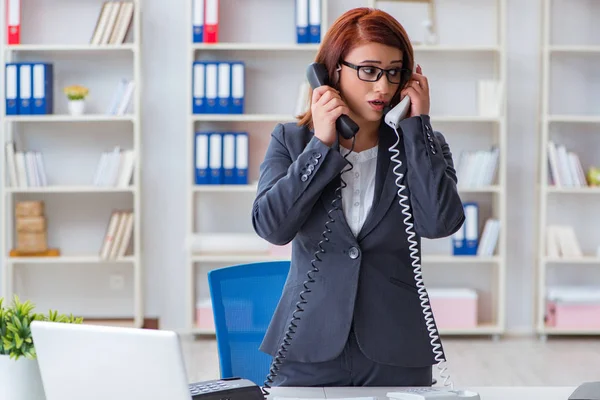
(317,75)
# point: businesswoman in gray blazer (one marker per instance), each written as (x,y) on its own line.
(351,293)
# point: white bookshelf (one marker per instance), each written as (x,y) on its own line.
(77,211)
(569,117)
(454,64)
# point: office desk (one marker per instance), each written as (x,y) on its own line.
(486,393)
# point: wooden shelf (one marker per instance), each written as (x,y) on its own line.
(69,260)
(70,48)
(72,189)
(70,118)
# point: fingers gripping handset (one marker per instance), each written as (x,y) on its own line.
(328,109)
(398,113)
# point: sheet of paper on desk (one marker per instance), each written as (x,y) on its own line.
(329,398)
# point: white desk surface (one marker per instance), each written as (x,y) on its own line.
(486,393)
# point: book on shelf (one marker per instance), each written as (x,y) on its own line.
(561,241)
(490,94)
(489,237)
(477,168)
(221,158)
(115,168)
(467,241)
(122,98)
(308,21)
(113,23)
(13,22)
(205,21)
(29,88)
(565,167)
(218,87)
(25,168)
(117,239)
(303,99)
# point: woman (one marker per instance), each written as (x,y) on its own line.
(362,322)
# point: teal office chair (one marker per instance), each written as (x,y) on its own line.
(244,298)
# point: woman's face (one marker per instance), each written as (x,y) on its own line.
(366,97)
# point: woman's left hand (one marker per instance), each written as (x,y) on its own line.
(418,90)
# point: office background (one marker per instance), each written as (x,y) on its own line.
(165,143)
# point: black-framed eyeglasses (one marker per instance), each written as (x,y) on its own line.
(369,73)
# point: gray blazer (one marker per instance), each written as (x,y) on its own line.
(365,281)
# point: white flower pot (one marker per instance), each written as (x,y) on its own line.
(76,107)
(21,379)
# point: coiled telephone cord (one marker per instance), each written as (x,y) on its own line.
(281,353)
(416,264)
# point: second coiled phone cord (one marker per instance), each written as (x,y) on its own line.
(278,359)
(416,264)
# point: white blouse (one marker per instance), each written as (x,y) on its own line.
(357,196)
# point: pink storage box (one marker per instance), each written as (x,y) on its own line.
(204,315)
(569,307)
(284,251)
(454,308)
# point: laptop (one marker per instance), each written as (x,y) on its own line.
(79,361)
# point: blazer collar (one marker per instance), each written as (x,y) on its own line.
(385,185)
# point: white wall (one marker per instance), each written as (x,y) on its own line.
(164,146)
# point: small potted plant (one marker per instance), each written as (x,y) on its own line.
(76,95)
(18,359)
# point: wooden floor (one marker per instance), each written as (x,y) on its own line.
(472,362)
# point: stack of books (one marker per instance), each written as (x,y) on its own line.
(115,168)
(25,169)
(113,23)
(116,242)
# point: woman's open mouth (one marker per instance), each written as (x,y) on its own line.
(377,105)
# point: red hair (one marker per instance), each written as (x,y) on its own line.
(356,27)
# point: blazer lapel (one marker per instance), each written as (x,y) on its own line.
(327,198)
(385,179)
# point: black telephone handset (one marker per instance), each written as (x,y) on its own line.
(317,75)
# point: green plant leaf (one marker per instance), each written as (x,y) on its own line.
(18,341)
(15,327)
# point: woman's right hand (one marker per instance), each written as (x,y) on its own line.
(326,107)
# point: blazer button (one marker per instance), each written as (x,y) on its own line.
(304,178)
(353,253)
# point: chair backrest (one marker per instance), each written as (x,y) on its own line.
(244,298)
